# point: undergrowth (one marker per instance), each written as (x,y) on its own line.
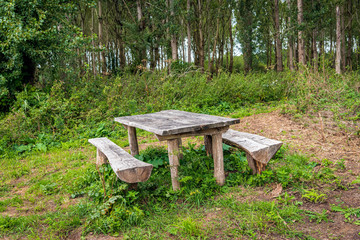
(43,118)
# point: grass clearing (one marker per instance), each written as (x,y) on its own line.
(62,192)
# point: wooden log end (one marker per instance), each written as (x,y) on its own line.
(135,175)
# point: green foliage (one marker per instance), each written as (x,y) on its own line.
(318,217)
(314,196)
(352,215)
(34,34)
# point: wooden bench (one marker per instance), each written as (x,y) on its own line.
(259,150)
(126,167)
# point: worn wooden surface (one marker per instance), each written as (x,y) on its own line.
(208,145)
(172,122)
(133,143)
(262,149)
(251,163)
(174,156)
(196,133)
(217,151)
(126,167)
(100,158)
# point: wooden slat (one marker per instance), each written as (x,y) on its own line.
(126,167)
(190,134)
(172,122)
(260,148)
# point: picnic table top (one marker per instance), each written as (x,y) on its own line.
(171,122)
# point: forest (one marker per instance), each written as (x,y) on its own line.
(289,70)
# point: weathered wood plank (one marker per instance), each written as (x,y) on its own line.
(126,167)
(173,151)
(218,156)
(260,148)
(190,134)
(172,122)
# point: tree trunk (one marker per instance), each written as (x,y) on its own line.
(343,43)
(350,41)
(315,52)
(141,48)
(174,49)
(188,32)
(211,69)
(338,41)
(231,63)
(221,50)
(290,40)
(93,42)
(279,65)
(102,55)
(301,44)
(201,39)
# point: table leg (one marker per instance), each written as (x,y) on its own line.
(208,145)
(181,155)
(134,148)
(218,156)
(174,154)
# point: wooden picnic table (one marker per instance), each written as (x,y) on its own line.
(171,126)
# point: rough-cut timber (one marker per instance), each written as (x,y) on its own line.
(126,167)
(172,125)
(208,145)
(172,122)
(259,149)
(217,151)
(134,148)
(174,156)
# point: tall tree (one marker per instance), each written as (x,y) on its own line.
(245,25)
(102,58)
(188,8)
(301,43)
(338,40)
(174,48)
(279,65)
(290,38)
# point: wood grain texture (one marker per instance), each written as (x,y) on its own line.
(218,156)
(172,122)
(260,148)
(126,167)
(101,158)
(251,163)
(173,151)
(208,145)
(133,143)
(197,133)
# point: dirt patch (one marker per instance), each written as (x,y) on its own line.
(318,139)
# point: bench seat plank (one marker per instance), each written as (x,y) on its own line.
(126,167)
(260,148)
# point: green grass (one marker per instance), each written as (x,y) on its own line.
(50,186)
(62,190)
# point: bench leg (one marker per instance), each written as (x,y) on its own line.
(252,164)
(134,148)
(218,156)
(208,145)
(174,155)
(100,158)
